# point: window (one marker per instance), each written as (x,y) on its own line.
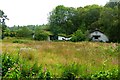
(96,36)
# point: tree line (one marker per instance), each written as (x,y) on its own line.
(69,20)
(74,22)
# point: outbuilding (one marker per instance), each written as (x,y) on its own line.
(63,38)
(99,36)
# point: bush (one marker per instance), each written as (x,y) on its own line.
(12,33)
(7,62)
(40,35)
(106,75)
(13,72)
(7,32)
(71,71)
(16,69)
(24,32)
(19,41)
(78,36)
(44,74)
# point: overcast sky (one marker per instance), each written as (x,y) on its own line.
(33,12)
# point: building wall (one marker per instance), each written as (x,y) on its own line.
(101,38)
(63,38)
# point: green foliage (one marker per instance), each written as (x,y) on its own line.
(78,36)
(62,20)
(111,4)
(103,75)
(40,35)
(16,69)
(2,22)
(24,32)
(7,62)
(91,15)
(26,70)
(106,75)
(7,32)
(3,30)
(67,20)
(13,72)
(1,13)
(19,41)
(12,34)
(71,71)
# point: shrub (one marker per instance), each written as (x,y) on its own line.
(23,70)
(106,75)
(12,33)
(7,32)
(71,71)
(78,36)
(24,32)
(40,35)
(13,72)
(7,62)
(11,68)
(19,41)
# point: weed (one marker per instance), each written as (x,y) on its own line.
(106,75)
(20,41)
(7,62)
(71,71)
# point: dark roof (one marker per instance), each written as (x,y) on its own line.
(95,30)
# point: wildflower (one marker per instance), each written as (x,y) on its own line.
(45,69)
(9,69)
(30,69)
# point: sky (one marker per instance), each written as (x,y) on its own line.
(36,12)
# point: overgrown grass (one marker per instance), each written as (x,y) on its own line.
(61,59)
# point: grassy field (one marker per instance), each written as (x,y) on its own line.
(80,58)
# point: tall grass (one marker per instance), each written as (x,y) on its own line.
(64,58)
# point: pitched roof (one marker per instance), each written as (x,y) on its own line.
(96,30)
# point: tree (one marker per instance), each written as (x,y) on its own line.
(3,17)
(91,15)
(111,4)
(114,32)
(109,23)
(62,20)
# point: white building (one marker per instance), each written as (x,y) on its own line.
(98,36)
(63,38)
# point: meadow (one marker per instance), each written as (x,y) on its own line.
(23,58)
